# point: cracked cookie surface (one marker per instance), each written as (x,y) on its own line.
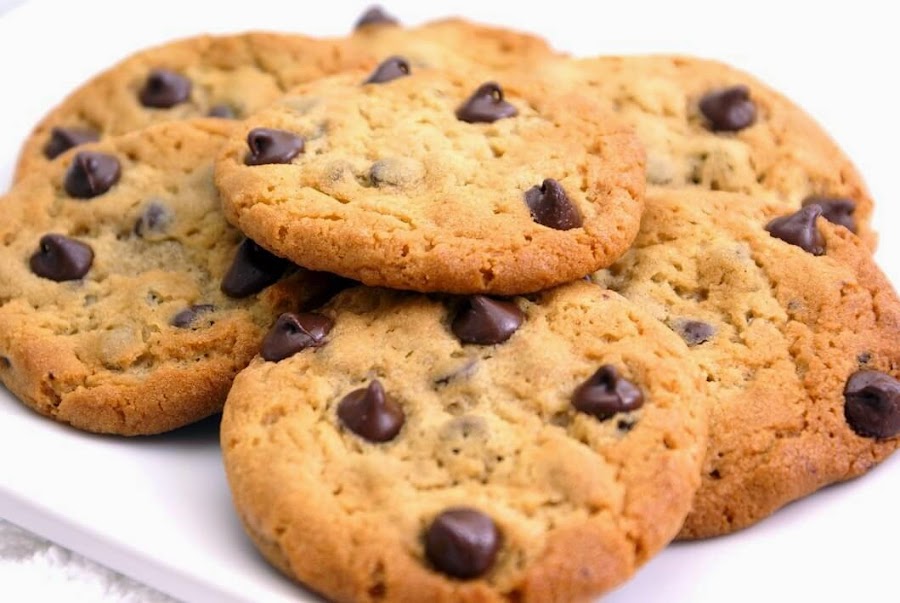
(414,183)
(577,501)
(116,322)
(779,332)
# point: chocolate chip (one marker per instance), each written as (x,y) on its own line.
(391,69)
(375,15)
(872,404)
(728,109)
(694,332)
(164,89)
(222,112)
(551,207)
(272,146)
(486,105)
(462,542)
(252,270)
(294,332)
(155,218)
(837,210)
(91,174)
(486,321)
(186,317)
(60,258)
(63,139)
(606,393)
(800,229)
(371,414)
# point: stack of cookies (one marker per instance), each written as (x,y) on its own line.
(488,323)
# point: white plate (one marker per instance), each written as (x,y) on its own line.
(158,509)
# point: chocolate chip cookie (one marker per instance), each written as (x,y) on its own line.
(227,77)
(798,334)
(127,302)
(706,124)
(399,447)
(431,181)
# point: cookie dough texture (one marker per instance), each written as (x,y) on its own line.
(788,329)
(101,352)
(580,503)
(394,190)
(784,156)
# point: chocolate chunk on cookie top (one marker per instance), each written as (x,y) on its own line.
(420,183)
(448,471)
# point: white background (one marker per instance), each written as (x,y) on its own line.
(158,508)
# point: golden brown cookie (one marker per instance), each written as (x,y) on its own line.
(413,448)
(797,331)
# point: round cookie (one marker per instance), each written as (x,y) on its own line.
(392,462)
(789,318)
(707,124)
(434,181)
(228,76)
(114,268)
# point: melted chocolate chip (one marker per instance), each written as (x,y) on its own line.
(836,210)
(252,270)
(91,174)
(272,146)
(872,404)
(60,258)
(462,542)
(694,332)
(729,109)
(375,15)
(486,321)
(606,393)
(551,207)
(164,89)
(63,139)
(222,112)
(486,105)
(371,414)
(391,69)
(800,229)
(294,332)
(186,317)
(155,218)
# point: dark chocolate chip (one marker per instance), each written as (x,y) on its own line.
(486,105)
(272,146)
(371,414)
(391,69)
(872,404)
(63,139)
(375,15)
(164,89)
(91,174)
(606,393)
(728,109)
(837,210)
(186,317)
(155,218)
(294,332)
(486,321)
(222,112)
(694,332)
(252,270)
(60,258)
(800,229)
(462,542)
(551,207)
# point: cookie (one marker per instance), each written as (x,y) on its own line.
(127,302)
(798,334)
(228,76)
(432,181)
(421,448)
(706,124)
